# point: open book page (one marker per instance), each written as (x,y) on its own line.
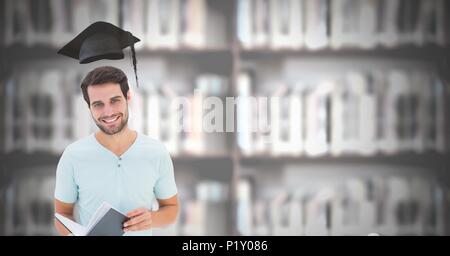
(72,226)
(99,213)
(80,230)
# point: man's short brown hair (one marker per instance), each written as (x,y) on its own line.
(103,75)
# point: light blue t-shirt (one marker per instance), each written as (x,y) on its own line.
(89,174)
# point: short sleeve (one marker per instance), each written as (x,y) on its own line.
(165,185)
(65,189)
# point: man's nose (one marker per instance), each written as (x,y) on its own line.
(108,110)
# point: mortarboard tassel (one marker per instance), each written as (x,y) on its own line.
(133,55)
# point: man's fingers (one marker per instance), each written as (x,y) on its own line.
(136,212)
(136,220)
(140,222)
(146,224)
(140,219)
(147,215)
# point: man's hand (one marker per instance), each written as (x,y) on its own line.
(140,219)
(144,219)
(66,210)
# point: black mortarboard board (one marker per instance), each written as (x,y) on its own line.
(101,40)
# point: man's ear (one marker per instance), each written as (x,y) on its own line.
(129,95)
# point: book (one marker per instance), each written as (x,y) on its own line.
(441,14)
(347,118)
(32,98)
(395,207)
(337,94)
(244,29)
(419,94)
(41,21)
(17,23)
(318,116)
(407,20)
(262,126)
(286,24)
(134,19)
(66,114)
(105,10)
(13,116)
(80,15)
(368,19)
(62,30)
(367,118)
(435,116)
(261,23)
(193,24)
(400,84)
(317,212)
(296,120)
(279,112)
(286,123)
(169,118)
(244,207)
(54,95)
(106,221)
(261,219)
(195,142)
(387,133)
(316,25)
(386,28)
(152,111)
(280,214)
(213,86)
(437,209)
(164,17)
(433,21)
(244,112)
(346,24)
(420,196)
(215,34)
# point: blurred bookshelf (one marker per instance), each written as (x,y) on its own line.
(24,53)
(431,52)
(427,160)
(247,183)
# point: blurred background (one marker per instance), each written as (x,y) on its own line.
(358,143)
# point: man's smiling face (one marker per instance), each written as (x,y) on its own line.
(109,107)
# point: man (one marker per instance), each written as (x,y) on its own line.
(116,164)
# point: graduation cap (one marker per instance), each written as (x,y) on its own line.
(101,40)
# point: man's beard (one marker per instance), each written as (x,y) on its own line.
(114,130)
